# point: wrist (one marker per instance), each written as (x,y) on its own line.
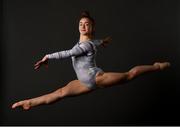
(47,56)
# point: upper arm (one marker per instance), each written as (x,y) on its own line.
(80,49)
(77,50)
(98,42)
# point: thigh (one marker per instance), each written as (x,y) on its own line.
(107,79)
(74,88)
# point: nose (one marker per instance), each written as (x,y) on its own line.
(83,26)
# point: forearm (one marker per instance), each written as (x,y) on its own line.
(59,55)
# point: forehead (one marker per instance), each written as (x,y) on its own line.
(85,20)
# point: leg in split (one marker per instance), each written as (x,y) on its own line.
(113,78)
(73,88)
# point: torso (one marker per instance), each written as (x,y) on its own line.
(85,65)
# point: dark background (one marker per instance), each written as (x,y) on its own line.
(143,31)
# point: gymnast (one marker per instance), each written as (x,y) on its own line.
(89,76)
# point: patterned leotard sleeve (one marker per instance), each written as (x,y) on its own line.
(75,51)
(97,42)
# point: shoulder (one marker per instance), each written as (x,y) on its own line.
(86,45)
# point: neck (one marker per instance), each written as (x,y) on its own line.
(84,38)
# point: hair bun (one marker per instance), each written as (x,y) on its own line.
(85,14)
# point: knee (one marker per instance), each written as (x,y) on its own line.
(132,73)
(61,93)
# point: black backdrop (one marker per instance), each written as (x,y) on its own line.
(143,32)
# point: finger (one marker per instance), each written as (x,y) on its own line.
(36,64)
(39,62)
(36,67)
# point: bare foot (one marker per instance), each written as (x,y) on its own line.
(25,104)
(163,65)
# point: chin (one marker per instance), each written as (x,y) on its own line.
(83,33)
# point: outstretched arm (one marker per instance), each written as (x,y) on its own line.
(75,51)
(103,42)
(106,41)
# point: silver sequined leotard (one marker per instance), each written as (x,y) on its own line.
(83,58)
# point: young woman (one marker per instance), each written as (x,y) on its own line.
(89,75)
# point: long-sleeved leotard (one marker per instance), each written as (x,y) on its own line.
(83,58)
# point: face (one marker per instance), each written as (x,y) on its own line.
(85,26)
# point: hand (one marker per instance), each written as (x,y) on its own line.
(106,41)
(44,61)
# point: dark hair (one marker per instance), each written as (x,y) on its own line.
(85,14)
